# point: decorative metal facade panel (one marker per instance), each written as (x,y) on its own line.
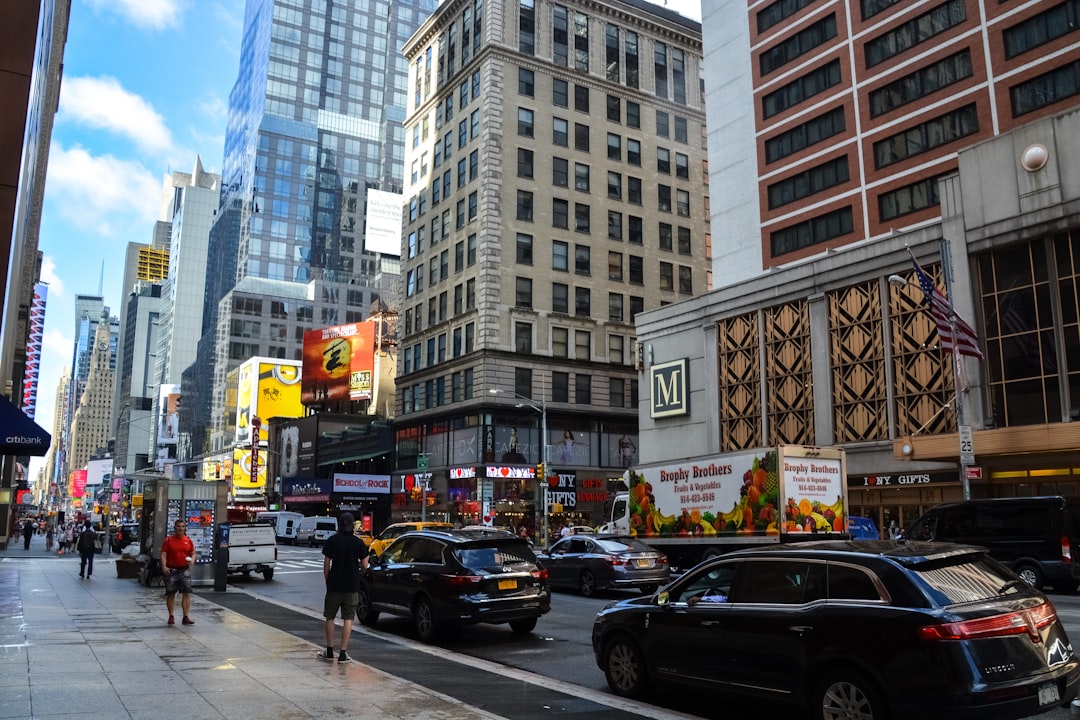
(739,377)
(789,387)
(857,364)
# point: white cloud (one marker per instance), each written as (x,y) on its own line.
(151,14)
(101,102)
(101,193)
(48,275)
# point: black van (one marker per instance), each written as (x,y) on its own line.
(1035,536)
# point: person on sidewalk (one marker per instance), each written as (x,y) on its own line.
(27,533)
(344,555)
(177,557)
(86,546)
(50,536)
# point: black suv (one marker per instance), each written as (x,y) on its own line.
(446,577)
(1037,537)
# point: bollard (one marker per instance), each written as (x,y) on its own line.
(1074,709)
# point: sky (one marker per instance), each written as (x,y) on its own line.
(145,91)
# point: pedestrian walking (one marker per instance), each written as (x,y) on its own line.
(50,536)
(86,546)
(344,555)
(27,533)
(69,537)
(177,557)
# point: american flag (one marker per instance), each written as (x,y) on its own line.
(966,341)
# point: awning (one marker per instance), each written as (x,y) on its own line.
(19,435)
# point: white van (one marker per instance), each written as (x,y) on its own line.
(285,524)
(315,530)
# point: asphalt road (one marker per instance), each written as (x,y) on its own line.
(560,648)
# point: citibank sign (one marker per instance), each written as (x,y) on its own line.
(353,483)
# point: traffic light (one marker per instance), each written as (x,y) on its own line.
(540,471)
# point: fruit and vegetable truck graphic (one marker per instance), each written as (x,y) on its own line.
(697,508)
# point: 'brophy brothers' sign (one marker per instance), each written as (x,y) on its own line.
(669,384)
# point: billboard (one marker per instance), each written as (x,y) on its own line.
(168,414)
(99,472)
(33,349)
(339,363)
(242,482)
(382,226)
(266,388)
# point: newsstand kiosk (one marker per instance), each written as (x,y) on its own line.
(202,505)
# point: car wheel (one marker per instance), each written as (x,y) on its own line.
(523,626)
(649,589)
(424,620)
(364,611)
(848,694)
(268,574)
(587,583)
(624,667)
(311,541)
(1031,574)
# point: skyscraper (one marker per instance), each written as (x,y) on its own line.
(555,188)
(314,122)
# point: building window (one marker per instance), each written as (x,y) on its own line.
(470,294)
(615,306)
(665,236)
(614,109)
(560,93)
(682,202)
(525,122)
(1046,89)
(614,225)
(524,163)
(811,232)
(630,55)
(667,276)
(470,255)
(663,161)
(684,241)
(920,83)
(582,389)
(926,136)
(681,132)
(560,172)
(633,152)
(615,266)
(614,185)
(800,89)
(660,70)
(663,123)
(523,293)
(614,147)
(560,132)
(526,27)
(803,136)
(560,298)
(560,387)
(663,198)
(560,37)
(914,32)
(637,305)
(909,199)
(582,260)
(581,42)
(523,337)
(805,184)
(524,249)
(560,256)
(581,98)
(470,345)
(616,387)
(635,235)
(633,191)
(686,280)
(524,205)
(560,213)
(777,11)
(1048,25)
(873,7)
(523,382)
(802,42)
(581,218)
(560,343)
(636,269)
(633,114)
(581,177)
(526,83)
(582,302)
(581,137)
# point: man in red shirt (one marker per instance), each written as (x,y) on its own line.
(177,557)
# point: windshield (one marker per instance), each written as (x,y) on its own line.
(618,545)
(973,580)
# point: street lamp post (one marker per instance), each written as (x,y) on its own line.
(963,430)
(541,482)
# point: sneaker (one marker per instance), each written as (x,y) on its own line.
(327,656)
(171,621)
(343,657)
(188,621)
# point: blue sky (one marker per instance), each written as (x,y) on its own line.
(145,90)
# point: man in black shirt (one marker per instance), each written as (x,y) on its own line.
(344,555)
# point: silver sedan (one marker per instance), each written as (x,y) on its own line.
(590,563)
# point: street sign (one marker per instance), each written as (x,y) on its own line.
(967,447)
(973,473)
(421,462)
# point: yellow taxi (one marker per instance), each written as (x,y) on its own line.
(393,532)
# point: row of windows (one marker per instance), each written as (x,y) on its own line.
(560,129)
(914,32)
(926,136)
(560,255)
(814,82)
(432,393)
(560,292)
(439,266)
(813,231)
(920,83)
(560,210)
(805,184)
(1048,25)
(1046,89)
(798,44)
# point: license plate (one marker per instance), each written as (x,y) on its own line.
(512,585)
(644,563)
(1048,693)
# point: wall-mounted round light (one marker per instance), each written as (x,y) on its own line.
(906,449)
(1034,157)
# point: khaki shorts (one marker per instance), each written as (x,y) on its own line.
(344,601)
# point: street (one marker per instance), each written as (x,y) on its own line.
(560,647)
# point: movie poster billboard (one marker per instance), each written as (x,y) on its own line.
(339,363)
(266,388)
(168,414)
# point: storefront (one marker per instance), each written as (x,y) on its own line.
(900,498)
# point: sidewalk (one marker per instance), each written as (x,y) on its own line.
(100,647)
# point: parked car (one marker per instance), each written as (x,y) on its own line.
(868,629)
(1038,537)
(285,523)
(315,530)
(123,535)
(590,563)
(443,578)
(392,532)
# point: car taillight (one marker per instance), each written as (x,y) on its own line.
(662,560)
(1066,549)
(614,560)
(1015,623)
(462,580)
(540,574)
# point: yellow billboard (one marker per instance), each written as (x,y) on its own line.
(241,470)
(266,388)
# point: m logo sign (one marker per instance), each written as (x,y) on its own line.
(669,382)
